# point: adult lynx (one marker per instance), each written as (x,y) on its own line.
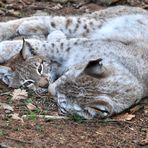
(77,79)
(72,26)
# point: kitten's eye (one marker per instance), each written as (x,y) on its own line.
(27,83)
(40,69)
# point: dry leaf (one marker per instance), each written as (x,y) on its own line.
(30,106)
(145,141)
(6,107)
(125,117)
(19,94)
(145,106)
(13,12)
(40,13)
(16,117)
(57,7)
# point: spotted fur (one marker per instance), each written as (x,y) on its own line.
(74,47)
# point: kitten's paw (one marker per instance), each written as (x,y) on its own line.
(52,88)
(93,109)
(41,90)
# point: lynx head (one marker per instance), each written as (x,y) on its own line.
(26,69)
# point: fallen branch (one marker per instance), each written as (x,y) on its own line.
(18,140)
(113,121)
(60,1)
(79,5)
(48,117)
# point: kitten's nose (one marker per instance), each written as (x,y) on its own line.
(43,82)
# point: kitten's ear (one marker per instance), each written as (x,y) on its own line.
(27,51)
(6,74)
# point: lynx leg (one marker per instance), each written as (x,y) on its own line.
(93,68)
(69,75)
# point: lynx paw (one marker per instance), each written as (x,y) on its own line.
(94,109)
(98,109)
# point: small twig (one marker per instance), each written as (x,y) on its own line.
(24,3)
(47,117)
(78,6)
(113,121)
(5,93)
(18,140)
(39,7)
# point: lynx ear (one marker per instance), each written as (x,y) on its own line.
(95,68)
(94,63)
(6,74)
(27,51)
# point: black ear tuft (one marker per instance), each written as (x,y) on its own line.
(27,51)
(96,69)
(21,52)
(94,63)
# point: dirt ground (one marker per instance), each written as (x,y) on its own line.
(75,132)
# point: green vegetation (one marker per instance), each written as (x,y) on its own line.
(31,116)
(77,118)
(39,127)
(1,133)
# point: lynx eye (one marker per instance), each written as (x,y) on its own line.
(27,83)
(40,69)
